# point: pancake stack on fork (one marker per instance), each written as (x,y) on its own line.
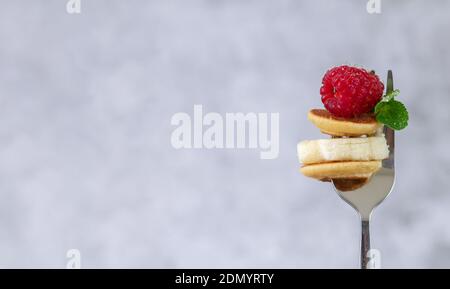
(350,157)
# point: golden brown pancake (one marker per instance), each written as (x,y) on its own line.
(341,170)
(338,126)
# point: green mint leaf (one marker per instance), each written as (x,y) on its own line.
(390,96)
(392,113)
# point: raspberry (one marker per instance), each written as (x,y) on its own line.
(350,91)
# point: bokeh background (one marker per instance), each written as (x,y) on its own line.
(85,154)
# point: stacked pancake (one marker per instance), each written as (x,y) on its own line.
(352,154)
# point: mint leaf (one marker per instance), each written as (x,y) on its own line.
(392,113)
(390,96)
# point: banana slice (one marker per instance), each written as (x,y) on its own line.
(342,149)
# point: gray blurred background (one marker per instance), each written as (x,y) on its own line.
(85,154)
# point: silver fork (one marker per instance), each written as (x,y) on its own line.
(369,196)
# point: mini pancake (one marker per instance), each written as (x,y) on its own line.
(338,126)
(341,170)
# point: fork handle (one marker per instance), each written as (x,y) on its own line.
(365,244)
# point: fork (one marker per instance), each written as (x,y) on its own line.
(366,198)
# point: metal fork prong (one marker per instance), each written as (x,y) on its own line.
(388,132)
(390,82)
(390,140)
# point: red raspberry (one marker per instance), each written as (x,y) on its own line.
(350,91)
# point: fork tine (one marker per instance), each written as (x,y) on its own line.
(390,140)
(390,82)
(388,132)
